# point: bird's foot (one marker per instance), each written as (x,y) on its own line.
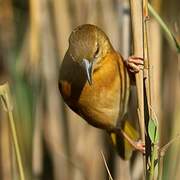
(135,64)
(138,145)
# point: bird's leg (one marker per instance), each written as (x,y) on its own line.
(134,64)
(138,145)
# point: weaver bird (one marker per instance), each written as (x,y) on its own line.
(94,82)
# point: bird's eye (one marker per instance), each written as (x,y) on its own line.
(96,52)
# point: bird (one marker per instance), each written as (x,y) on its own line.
(95,80)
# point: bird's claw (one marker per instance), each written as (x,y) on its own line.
(135,64)
(139,146)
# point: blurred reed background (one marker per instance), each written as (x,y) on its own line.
(55,143)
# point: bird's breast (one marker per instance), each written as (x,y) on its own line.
(99,105)
(103,103)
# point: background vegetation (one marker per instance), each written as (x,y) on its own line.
(55,143)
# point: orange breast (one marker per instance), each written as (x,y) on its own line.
(102,103)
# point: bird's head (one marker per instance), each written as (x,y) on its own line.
(87,46)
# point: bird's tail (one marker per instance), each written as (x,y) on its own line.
(122,146)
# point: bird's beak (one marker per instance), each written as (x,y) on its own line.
(88,69)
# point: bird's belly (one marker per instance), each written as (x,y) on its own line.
(101,118)
(100,108)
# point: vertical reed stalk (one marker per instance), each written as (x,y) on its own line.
(149,92)
(147,76)
(137,30)
(6,101)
